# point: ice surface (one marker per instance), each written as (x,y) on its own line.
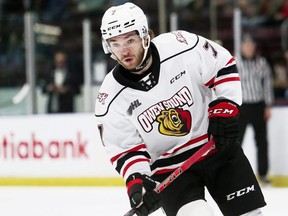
(98,201)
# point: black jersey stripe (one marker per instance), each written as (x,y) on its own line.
(228,70)
(173,160)
(122,160)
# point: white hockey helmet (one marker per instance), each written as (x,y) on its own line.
(121,19)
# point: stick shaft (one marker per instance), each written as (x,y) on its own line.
(202,152)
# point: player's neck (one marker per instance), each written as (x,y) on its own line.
(148,65)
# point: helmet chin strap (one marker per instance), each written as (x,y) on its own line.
(145,59)
(144,63)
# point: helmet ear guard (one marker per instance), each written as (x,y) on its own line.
(105,46)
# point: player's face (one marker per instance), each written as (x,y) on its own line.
(128,49)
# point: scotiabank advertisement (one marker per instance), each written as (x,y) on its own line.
(66,145)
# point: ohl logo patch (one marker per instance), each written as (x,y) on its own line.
(174,122)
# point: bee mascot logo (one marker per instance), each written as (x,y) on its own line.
(174,122)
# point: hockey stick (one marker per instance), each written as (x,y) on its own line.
(21,94)
(202,152)
(17,98)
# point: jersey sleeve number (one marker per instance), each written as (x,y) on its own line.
(100,129)
(207,45)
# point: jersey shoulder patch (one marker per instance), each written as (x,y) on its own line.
(108,91)
(174,42)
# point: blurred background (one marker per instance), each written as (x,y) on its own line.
(31,31)
(39,38)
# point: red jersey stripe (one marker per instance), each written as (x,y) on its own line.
(133,162)
(229,79)
(230,61)
(113,159)
(190,142)
(210,82)
(170,170)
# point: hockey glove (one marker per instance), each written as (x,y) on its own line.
(146,201)
(223,122)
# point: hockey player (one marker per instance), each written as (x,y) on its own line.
(162,102)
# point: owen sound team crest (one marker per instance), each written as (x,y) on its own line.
(174,122)
(171,117)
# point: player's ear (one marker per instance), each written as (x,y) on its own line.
(151,33)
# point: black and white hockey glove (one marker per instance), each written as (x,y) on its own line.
(223,122)
(145,201)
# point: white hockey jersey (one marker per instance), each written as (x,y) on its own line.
(152,125)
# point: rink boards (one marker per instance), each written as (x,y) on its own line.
(66,150)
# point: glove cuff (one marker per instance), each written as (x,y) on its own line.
(133,180)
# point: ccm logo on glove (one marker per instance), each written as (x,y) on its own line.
(223,109)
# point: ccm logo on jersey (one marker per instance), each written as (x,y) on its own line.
(240,192)
(178,76)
